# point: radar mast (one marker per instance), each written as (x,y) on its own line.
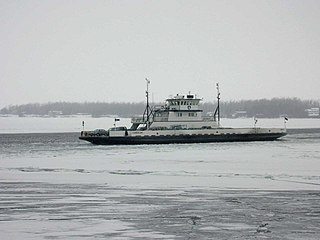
(148,110)
(217,111)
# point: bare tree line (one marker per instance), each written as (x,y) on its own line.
(268,108)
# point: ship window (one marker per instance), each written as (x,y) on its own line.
(179,114)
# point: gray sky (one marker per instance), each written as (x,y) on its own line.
(103,50)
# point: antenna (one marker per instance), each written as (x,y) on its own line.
(146,111)
(148,82)
(147,95)
(217,111)
(218,97)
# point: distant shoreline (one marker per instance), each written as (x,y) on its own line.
(262,108)
(120,116)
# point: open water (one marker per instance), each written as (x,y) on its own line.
(54,186)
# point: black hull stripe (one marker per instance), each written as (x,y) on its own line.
(182,139)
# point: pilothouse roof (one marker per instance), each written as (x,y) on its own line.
(184,97)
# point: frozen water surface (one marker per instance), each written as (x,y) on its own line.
(53,186)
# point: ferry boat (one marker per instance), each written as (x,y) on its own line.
(179,120)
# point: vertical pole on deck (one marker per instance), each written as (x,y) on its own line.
(218,107)
(147,95)
(285,119)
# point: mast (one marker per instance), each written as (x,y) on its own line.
(217,111)
(147,96)
(146,111)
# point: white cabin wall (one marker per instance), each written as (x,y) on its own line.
(186,124)
(184,116)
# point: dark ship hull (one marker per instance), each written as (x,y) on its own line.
(200,138)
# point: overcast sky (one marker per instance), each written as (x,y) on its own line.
(104,50)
